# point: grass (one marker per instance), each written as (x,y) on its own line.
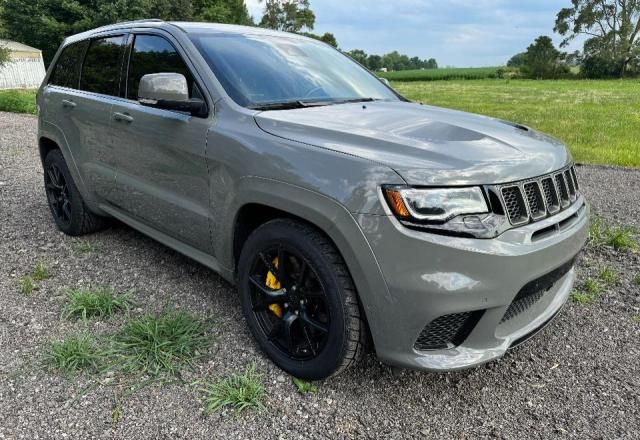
(590,291)
(161,343)
(40,271)
(443,74)
(26,285)
(102,302)
(617,237)
(18,101)
(636,280)
(636,318)
(608,275)
(304,387)
(238,391)
(74,354)
(598,120)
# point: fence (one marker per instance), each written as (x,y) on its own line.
(21,72)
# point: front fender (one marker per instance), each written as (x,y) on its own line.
(329,216)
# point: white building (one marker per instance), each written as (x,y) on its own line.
(25,68)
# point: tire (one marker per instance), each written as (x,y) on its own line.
(68,209)
(325,293)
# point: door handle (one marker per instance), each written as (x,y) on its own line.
(122,117)
(68,103)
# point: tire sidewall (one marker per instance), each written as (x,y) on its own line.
(73,227)
(333,353)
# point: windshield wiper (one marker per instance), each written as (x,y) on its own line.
(352,100)
(288,105)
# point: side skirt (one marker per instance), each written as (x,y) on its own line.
(185,249)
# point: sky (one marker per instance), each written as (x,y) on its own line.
(461,33)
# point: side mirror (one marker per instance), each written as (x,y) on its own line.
(386,81)
(168,91)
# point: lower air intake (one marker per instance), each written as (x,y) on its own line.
(447,331)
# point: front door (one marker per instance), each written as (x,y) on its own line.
(161,170)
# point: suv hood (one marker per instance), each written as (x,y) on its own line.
(425,145)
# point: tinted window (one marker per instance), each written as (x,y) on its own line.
(154,54)
(257,69)
(101,71)
(66,72)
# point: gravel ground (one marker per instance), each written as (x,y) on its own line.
(580,378)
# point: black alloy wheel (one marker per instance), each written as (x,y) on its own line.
(299,300)
(58,194)
(294,315)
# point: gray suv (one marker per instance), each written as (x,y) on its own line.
(346,215)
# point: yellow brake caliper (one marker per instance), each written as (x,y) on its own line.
(273,283)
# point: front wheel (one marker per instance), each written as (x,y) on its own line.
(299,300)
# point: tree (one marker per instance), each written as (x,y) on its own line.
(327,37)
(359,55)
(45,23)
(4,55)
(543,60)
(288,15)
(518,60)
(374,62)
(432,64)
(222,11)
(612,25)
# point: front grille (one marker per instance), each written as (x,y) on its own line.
(534,290)
(535,199)
(447,331)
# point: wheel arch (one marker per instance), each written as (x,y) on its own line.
(45,146)
(264,199)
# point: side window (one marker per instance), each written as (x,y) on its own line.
(101,71)
(66,72)
(154,54)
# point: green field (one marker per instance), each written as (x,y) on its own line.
(445,74)
(598,120)
(18,101)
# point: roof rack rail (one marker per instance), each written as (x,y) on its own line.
(146,20)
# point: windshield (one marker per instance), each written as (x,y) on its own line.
(260,69)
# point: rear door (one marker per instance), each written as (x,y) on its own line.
(162,175)
(78,100)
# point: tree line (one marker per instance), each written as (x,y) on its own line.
(611,48)
(391,61)
(45,23)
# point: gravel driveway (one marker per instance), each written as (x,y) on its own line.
(579,378)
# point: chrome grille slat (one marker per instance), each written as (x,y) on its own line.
(535,199)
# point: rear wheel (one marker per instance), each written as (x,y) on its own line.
(68,209)
(299,300)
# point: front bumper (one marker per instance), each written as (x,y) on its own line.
(430,276)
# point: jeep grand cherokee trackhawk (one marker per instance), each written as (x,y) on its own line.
(343,212)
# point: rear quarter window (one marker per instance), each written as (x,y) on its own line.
(66,72)
(102,65)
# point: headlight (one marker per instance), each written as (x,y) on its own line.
(453,211)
